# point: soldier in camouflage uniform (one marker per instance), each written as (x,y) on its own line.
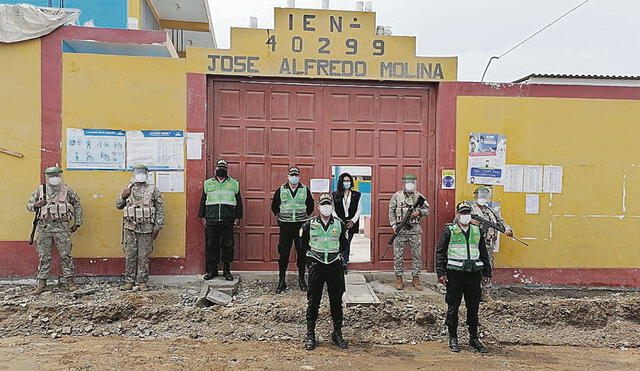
(60,215)
(143,219)
(400,202)
(480,207)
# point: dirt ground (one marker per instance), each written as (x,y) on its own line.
(119,353)
(101,327)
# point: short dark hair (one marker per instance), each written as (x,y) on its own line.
(340,186)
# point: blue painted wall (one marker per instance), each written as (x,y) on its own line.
(103,13)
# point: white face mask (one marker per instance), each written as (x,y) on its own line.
(140,178)
(482,201)
(54,180)
(464,219)
(410,186)
(326,210)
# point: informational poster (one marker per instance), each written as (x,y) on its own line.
(552,179)
(487,156)
(170,181)
(320,185)
(514,178)
(532,179)
(194,146)
(156,149)
(532,204)
(95,149)
(448,179)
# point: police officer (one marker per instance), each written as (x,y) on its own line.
(221,207)
(461,263)
(60,215)
(292,204)
(400,202)
(143,218)
(480,207)
(325,239)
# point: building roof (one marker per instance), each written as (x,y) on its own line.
(574,77)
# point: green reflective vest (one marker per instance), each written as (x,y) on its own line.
(293,209)
(463,254)
(323,243)
(221,199)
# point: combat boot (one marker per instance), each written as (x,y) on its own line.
(226,272)
(310,338)
(398,284)
(477,345)
(127,286)
(281,287)
(210,275)
(40,287)
(70,285)
(453,344)
(337,338)
(416,283)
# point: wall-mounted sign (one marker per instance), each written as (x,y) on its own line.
(311,43)
(95,149)
(448,179)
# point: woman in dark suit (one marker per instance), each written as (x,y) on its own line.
(347,208)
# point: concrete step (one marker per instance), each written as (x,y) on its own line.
(220,284)
(358,291)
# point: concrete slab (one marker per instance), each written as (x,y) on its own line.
(355,278)
(218,297)
(222,285)
(358,291)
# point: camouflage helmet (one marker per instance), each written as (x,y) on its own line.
(53,170)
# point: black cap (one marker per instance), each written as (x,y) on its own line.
(463,206)
(222,163)
(293,170)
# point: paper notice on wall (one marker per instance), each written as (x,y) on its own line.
(320,185)
(170,181)
(487,156)
(552,179)
(194,146)
(157,149)
(514,178)
(532,204)
(95,149)
(532,179)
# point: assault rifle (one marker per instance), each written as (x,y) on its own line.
(404,224)
(36,218)
(497,227)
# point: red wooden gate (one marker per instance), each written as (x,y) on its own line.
(261,128)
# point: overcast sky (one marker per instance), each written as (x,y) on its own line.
(601,37)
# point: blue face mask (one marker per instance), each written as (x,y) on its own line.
(294,179)
(346,185)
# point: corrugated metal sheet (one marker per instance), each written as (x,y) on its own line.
(568,76)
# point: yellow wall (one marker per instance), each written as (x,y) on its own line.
(592,224)
(19,132)
(134,10)
(129,93)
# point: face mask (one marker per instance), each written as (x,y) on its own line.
(140,178)
(482,201)
(54,181)
(221,172)
(464,219)
(326,210)
(346,185)
(410,187)
(294,179)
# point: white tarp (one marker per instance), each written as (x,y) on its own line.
(24,22)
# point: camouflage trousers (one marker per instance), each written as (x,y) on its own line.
(137,248)
(44,245)
(487,286)
(414,241)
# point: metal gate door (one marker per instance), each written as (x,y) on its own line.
(263,128)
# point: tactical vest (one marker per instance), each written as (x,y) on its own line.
(57,209)
(463,255)
(324,242)
(140,211)
(293,209)
(221,193)
(403,204)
